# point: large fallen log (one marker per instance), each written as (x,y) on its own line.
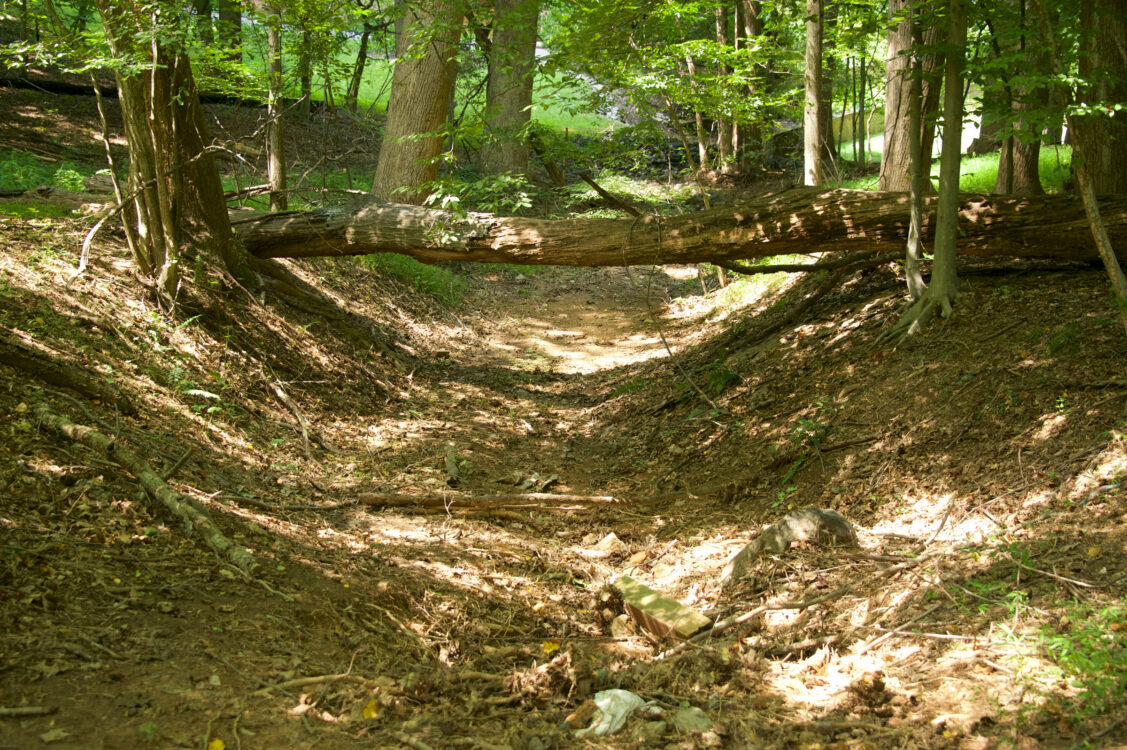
(797,220)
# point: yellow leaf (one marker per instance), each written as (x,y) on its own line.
(550,647)
(372,710)
(217,744)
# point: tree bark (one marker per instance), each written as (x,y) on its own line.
(275,133)
(894,155)
(798,220)
(426,49)
(812,120)
(1103,64)
(353,94)
(508,88)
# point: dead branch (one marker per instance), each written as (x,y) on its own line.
(50,366)
(613,200)
(450,501)
(182,508)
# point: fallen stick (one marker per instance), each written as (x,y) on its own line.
(484,502)
(181,507)
(19,711)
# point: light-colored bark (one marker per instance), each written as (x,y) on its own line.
(426,49)
(812,120)
(508,90)
(275,128)
(798,220)
(914,251)
(725,144)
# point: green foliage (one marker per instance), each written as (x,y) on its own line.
(23,171)
(1091,648)
(443,285)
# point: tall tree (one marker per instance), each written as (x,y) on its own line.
(1103,68)
(508,89)
(812,120)
(942,289)
(176,194)
(895,156)
(1086,160)
(426,51)
(275,127)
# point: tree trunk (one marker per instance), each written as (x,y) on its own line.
(508,90)
(353,94)
(751,133)
(798,220)
(275,133)
(426,49)
(895,153)
(305,73)
(202,9)
(702,134)
(812,114)
(1103,63)
(914,251)
(943,287)
(176,193)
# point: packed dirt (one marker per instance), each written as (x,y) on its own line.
(438,498)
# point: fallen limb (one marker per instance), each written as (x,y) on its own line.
(182,508)
(486,502)
(797,220)
(36,359)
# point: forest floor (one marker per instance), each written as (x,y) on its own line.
(398,603)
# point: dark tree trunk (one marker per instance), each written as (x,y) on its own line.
(1103,59)
(229,30)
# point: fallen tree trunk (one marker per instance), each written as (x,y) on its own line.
(797,220)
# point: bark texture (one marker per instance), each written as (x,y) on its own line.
(798,220)
(508,89)
(812,120)
(895,153)
(1103,60)
(426,49)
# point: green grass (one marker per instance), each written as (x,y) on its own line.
(438,282)
(978,174)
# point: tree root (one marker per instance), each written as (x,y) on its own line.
(191,516)
(915,316)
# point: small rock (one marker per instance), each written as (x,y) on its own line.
(611,544)
(622,627)
(691,719)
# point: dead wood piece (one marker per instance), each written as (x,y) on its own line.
(284,397)
(889,634)
(613,200)
(181,507)
(796,220)
(451,501)
(323,679)
(48,365)
(18,711)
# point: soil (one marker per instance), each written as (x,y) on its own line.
(981,465)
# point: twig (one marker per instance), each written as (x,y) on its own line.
(267,505)
(15,711)
(285,399)
(167,473)
(873,257)
(611,199)
(942,522)
(482,502)
(1063,579)
(873,644)
(307,681)
(181,507)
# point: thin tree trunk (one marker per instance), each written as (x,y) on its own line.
(702,134)
(275,133)
(305,73)
(229,30)
(916,285)
(812,115)
(352,96)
